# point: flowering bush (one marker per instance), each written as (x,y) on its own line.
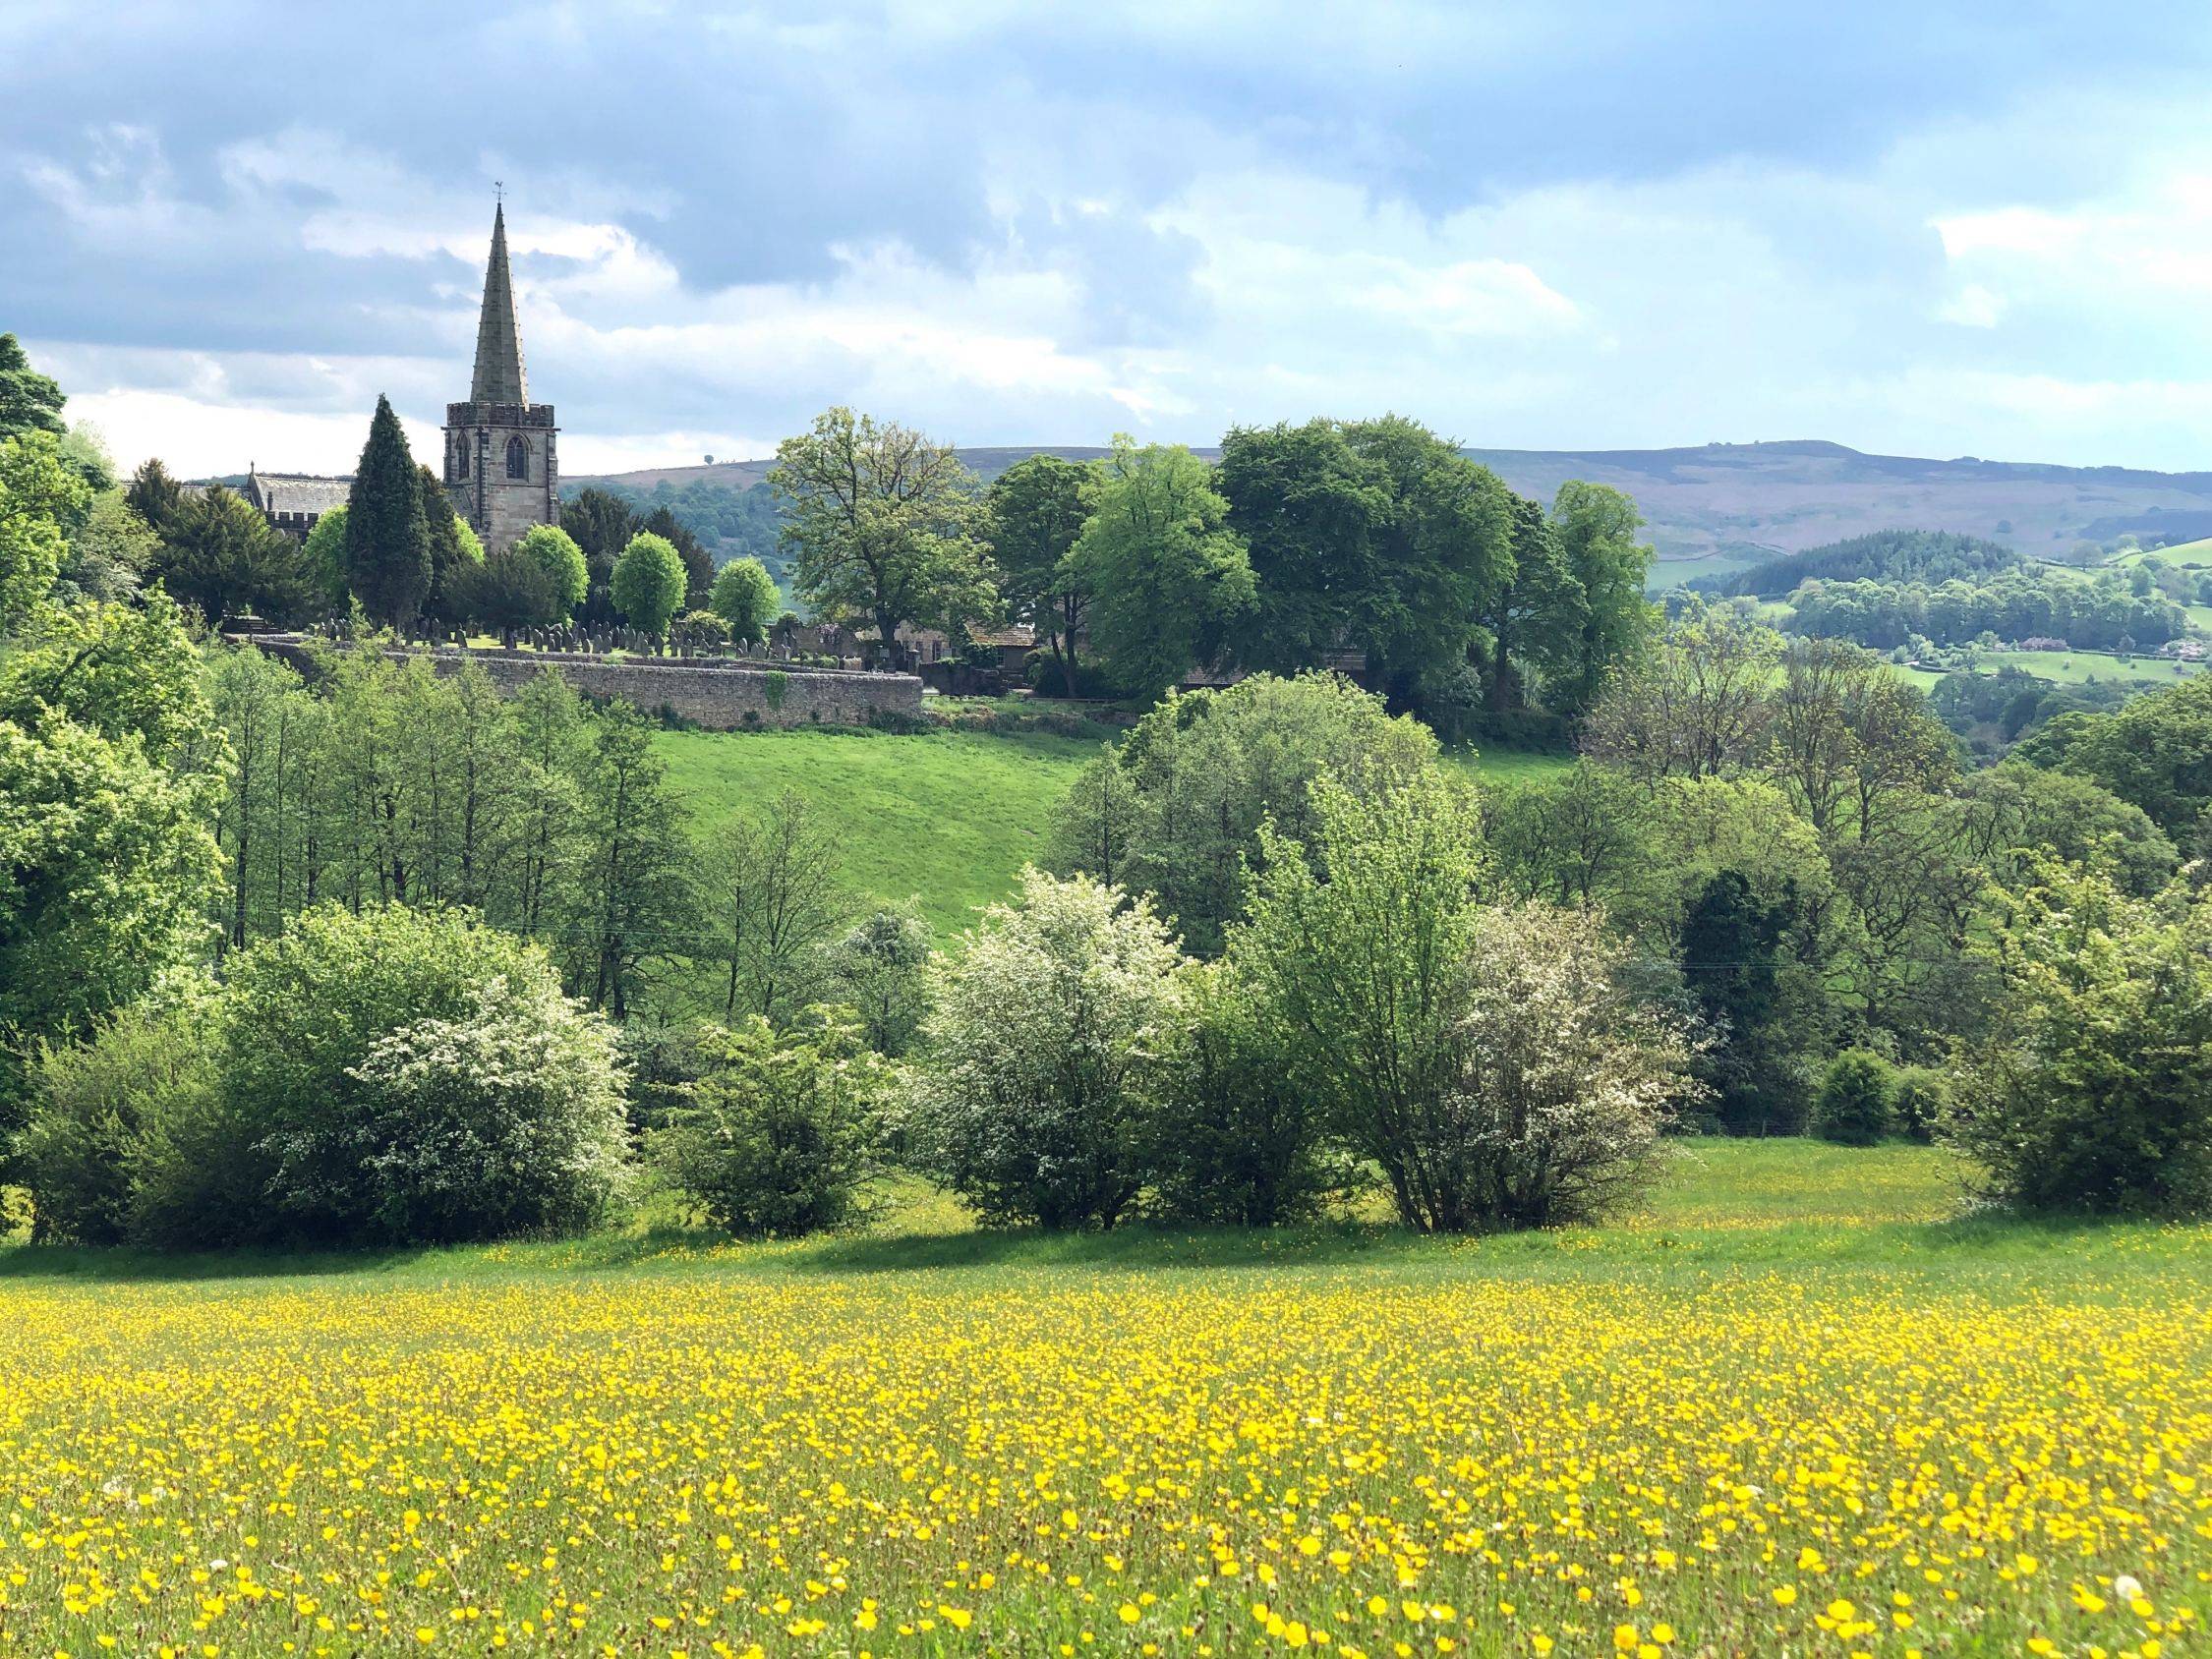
(401,1076)
(1041,1055)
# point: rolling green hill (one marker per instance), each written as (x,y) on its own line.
(946,817)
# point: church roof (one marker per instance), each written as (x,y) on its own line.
(499,376)
(296,493)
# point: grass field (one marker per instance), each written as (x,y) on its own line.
(2077,668)
(2182,555)
(1673,573)
(2074,667)
(946,817)
(1788,1408)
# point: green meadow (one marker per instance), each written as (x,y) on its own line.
(948,818)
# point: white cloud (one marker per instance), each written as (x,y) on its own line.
(198,437)
(1924,302)
(1973,307)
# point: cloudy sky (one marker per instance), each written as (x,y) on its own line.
(1907,226)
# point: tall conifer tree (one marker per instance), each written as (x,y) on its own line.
(387,539)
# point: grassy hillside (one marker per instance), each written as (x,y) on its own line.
(1785,1398)
(2077,668)
(2182,555)
(948,817)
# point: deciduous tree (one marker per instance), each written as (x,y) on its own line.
(1598,529)
(744,596)
(1168,575)
(649,583)
(882,523)
(30,402)
(2091,1090)
(1037,516)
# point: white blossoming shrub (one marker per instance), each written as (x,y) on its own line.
(1567,1080)
(1041,1058)
(504,1119)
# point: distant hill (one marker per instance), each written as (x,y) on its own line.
(1727,505)
(1929,556)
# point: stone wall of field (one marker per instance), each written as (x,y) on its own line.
(723,696)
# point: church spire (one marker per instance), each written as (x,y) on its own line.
(499,376)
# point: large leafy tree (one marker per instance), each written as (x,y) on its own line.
(1037,516)
(1359,948)
(1312,512)
(567,572)
(698,563)
(30,402)
(2013,810)
(39,497)
(629,904)
(1169,576)
(1374,535)
(1445,545)
(1532,618)
(109,550)
(388,561)
(106,865)
(882,524)
(769,886)
(1732,944)
(326,550)
(1175,809)
(649,583)
(1596,527)
(1696,702)
(2155,752)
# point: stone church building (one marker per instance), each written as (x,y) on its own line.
(500,465)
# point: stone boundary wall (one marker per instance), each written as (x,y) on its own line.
(723,696)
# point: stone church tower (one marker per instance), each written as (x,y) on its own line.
(499,466)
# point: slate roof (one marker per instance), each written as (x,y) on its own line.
(296,493)
(499,376)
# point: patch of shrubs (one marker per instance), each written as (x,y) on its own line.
(381,1077)
(1854,1106)
(783,1130)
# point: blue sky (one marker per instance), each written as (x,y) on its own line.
(1918,227)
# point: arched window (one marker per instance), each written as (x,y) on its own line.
(518,458)
(461,456)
